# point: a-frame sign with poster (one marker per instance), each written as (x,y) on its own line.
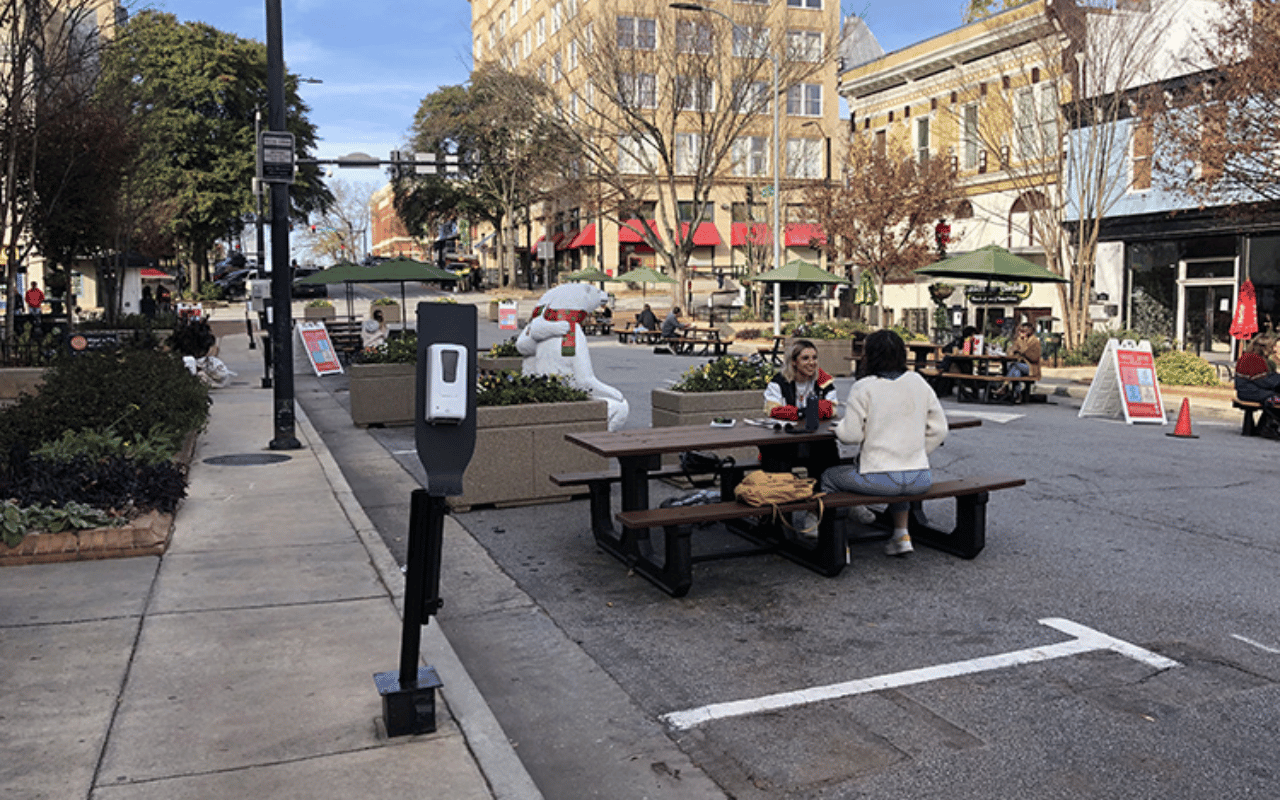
(1125,383)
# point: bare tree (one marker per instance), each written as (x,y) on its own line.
(1217,135)
(337,233)
(660,130)
(50,61)
(1049,129)
(881,215)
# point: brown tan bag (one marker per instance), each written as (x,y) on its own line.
(762,488)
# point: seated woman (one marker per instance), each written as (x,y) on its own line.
(1026,349)
(785,398)
(1256,382)
(897,419)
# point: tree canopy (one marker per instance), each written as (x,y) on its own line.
(192,91)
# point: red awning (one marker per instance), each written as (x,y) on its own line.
(563,240)
(534,247)
(805,234)
(705,236)
(148,272)
(628,232)
(587,238)
(758,235)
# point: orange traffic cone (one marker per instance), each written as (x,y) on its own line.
(1183,429)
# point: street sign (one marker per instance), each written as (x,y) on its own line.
(275,149)
(767,191)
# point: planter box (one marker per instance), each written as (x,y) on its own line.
(390,312)
(319,313)
(148,535)
(382,394)
(493,310)
(17,381)
(517,447)
(835,356)
(699,408)
(500,364)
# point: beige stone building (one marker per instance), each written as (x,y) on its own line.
(593,52)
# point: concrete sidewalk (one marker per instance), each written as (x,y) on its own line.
(241,663)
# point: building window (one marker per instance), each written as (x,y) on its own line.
(685,208)
(557,67)
(805,100)
(693,37)
(637,33)
(804,45)
(750,41)
(571,8)
(541,27)
(695,93)
(557,18)
(687,153)
(814,4)
(1036,121)
(750,156)
(804,158)
(573,55)
(636,155)
(879,144)
(1213,126)
(638,90)
(753,98)
(971,141)
(922,140)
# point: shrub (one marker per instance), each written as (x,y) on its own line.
(134,393)
(839,329)
(513,389)
(1096,341)
(504,349)
(401,350)
(17,521)
(319,303)
(726,373)
(383,301)
(1177,368)
(119,486)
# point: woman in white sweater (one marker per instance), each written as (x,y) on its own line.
(897,419)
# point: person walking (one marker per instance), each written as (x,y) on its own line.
(34,298)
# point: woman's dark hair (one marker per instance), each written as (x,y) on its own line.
(883,354)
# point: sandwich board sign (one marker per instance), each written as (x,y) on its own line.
(1125,383)
(319,347)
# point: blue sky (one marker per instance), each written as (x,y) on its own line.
(378,58)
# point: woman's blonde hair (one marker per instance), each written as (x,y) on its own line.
(797,347)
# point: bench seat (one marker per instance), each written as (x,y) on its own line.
(985,383)
(828,555)
(1250,426)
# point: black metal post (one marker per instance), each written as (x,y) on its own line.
(281,309)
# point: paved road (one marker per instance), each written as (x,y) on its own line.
(1166,544)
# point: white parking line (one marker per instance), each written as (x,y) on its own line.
(998,417)
(1086,640)
(1258,645)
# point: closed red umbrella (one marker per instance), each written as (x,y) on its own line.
(1245,323)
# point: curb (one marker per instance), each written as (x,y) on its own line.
(507,777)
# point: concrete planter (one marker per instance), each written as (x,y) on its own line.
(382,394)
(390,312)
(17,381)
(517,447)
(835,356)
(699,408)
(319,313)
(500,364)
(493,310)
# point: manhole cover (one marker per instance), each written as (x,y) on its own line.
(247,459)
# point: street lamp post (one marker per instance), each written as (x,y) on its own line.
(777,160)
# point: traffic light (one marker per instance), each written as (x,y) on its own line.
(751,195)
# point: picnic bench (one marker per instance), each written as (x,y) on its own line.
(707,341)
(627,334)
(639,454)
(1249,427)
(828,556)
(345,336)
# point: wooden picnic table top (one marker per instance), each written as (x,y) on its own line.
(676,439)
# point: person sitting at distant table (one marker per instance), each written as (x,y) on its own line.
(1257,382)
(672,324)
(646,320)
(1026,349)
(943,386)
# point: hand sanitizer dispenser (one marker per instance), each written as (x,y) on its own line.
(446,384)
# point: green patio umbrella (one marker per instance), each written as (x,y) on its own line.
(397,270)
(643,276)
(343,272)
(991,263)
(588,275)
(798,271)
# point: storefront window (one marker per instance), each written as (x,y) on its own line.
(1153,301)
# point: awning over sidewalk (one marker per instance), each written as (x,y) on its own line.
(585,238)
(705,236)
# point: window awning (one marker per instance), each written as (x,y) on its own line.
(705,236)
(742,234)
(150,272)
(563,240)
(628,232)
(534,247)
(805,234)
(585,238)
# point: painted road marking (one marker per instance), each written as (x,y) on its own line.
(998,417)
(1258,645)
(1086,640)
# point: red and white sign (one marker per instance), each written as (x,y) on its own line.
(319,347)
(1125,383)
(508,315)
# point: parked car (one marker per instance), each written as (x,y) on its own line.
(308,289)
(234,284)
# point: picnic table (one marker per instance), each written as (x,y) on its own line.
(706,339)
(639,454)
(986,372)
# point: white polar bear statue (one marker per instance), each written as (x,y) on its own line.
(553,344)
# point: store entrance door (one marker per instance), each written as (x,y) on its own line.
(1207,290)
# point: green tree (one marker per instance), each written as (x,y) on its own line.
(509,153)
(193,91)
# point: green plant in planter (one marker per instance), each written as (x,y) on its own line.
(840,329)
(319,303)
(1178,368)
(402,350)
(505,349)
(384,301)
(513,389)
(727,373)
